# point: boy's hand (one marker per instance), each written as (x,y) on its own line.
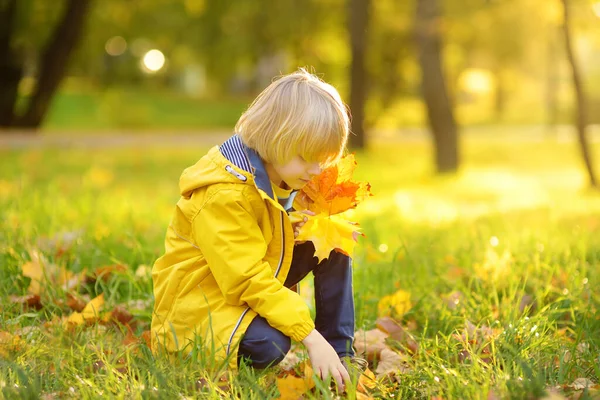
(298,224)
(325,361)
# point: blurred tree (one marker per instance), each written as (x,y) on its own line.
(54,62)
(581,100)
(358,21)
(434,89)
(51,68)
(11,69)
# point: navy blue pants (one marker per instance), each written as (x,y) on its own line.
(263,345)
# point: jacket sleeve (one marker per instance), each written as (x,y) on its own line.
(227,232)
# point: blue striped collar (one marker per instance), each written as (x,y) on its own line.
(248,160)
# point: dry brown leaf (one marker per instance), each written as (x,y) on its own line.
(28,300)
(391,362)
(121,315)
(398,333)
(453,299)
(582,383)
(290,361)
(106,272)
(147,337)
(76,303)
(370,343)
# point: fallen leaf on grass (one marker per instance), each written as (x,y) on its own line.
(290,361)
(147,337)
(370,343)
(391,362)
(118,314)
(43,273)
(398,334)
(89,314)
(453,299)
(476,340)
(28,301)
(366,381)
(9,343)
(60,243)
(361,396)
(292,387)
(76,303)
(34,270)
(106,272)
(582,383)
(395,305)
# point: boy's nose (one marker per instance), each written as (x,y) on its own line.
(314,170)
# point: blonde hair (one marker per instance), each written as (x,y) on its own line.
(297,114)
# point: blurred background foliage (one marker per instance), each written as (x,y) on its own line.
(504,60)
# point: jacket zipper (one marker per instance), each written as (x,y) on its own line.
(237,325)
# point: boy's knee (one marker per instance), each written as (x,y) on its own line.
(266,351)
(273,352)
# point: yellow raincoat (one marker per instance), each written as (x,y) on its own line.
(228,250)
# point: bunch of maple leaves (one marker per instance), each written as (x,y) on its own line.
(329,195)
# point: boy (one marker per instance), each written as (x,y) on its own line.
(230,255)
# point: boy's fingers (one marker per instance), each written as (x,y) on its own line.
(345,375)
(339,380)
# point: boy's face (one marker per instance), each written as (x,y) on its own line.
(296,173)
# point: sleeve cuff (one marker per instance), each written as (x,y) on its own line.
(301,331)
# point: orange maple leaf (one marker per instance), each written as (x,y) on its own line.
(333,191)
(328,194)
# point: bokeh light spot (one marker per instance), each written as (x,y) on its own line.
(115,46)
(153,60)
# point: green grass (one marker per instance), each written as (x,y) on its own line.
(515,221)
(122,108)
(82,107)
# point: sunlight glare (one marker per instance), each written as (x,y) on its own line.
(476,80)
(596,8)
(153,60)
(383,247)
(494,241)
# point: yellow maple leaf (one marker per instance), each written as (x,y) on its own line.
(293,387)
(90,313)
(328,233)
(395,305)
(34,271)
(366,381)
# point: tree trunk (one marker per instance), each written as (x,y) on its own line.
(552,84)
(581,109)
(55,60)
(10,69)
(499,95)
(433,85)
(357,26)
